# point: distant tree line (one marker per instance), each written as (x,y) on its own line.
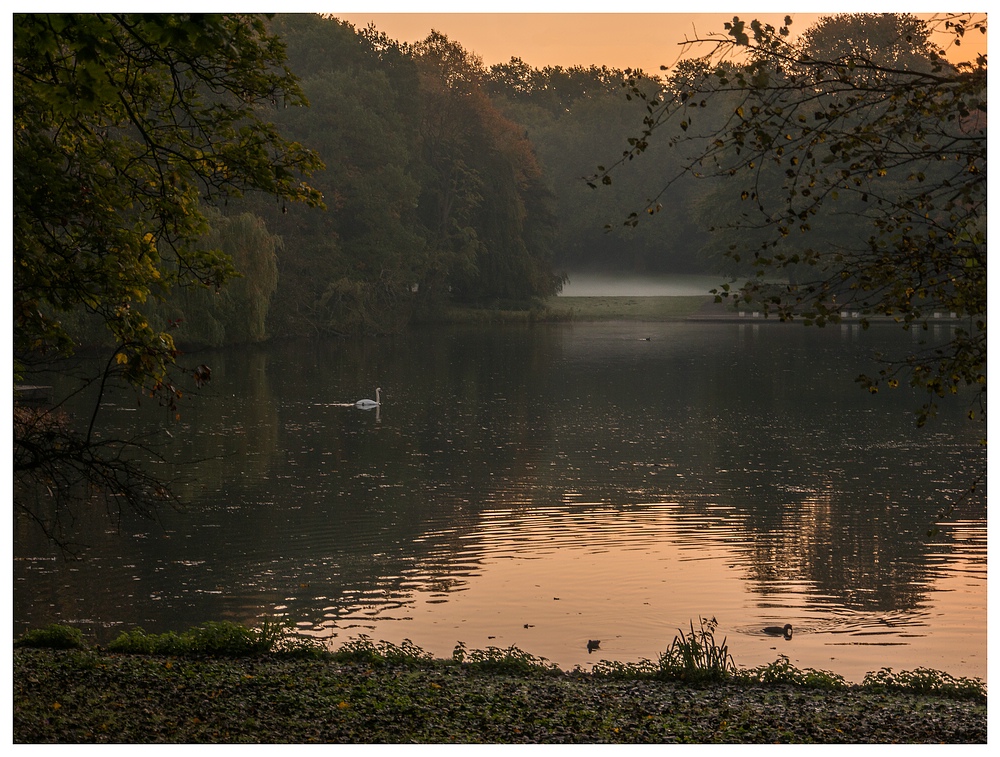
(447,182)
(434,197)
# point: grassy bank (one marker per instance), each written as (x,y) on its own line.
(371,693)
(95,697)
(579,309)
(625,308)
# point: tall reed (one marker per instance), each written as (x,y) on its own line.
(696,656)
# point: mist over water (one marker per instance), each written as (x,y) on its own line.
(633,285)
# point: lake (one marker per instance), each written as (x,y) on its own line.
(544,485)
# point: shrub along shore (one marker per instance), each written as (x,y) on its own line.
(226,684)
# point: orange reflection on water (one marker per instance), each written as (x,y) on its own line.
(551,579)
(547,580)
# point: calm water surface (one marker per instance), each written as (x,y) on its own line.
(542,486)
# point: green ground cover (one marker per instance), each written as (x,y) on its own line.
(227,684)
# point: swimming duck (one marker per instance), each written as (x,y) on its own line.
(785,630)
(593,644)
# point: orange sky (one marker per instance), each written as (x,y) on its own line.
(617,40)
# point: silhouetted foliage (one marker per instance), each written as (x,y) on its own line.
(850,163)
(124,128)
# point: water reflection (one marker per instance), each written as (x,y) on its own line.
(548,486)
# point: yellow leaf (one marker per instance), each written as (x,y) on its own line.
(344,705)
(56,705)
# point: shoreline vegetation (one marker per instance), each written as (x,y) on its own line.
(224,683)
(590,308)
(638,308)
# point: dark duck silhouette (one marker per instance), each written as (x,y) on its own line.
(593,644)
(785,630)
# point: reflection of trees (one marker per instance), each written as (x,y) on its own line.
(368,498)
(843,504)
(833,488)
(857,560)
(234,420)
(338,518)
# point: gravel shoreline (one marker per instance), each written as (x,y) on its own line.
(91,696)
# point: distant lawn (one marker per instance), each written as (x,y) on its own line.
(666,308)
(625,308)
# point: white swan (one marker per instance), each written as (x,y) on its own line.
(369,404)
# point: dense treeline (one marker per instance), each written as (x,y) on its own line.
(577,119)
(433,196)
(448,182)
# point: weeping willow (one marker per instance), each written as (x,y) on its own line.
(236,313)
(255,254)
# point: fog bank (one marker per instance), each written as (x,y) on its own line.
(632,285)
